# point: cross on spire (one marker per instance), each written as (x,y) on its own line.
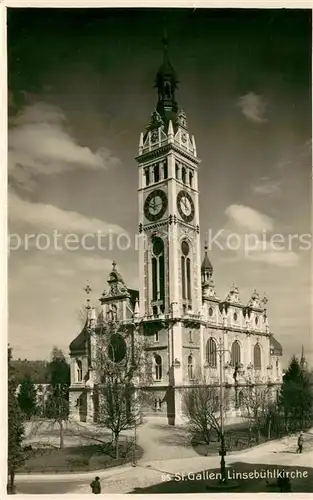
(88,289)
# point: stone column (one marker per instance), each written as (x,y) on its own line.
(90,407)
(73,406)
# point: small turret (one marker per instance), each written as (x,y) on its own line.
(206,267)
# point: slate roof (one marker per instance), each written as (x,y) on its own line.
(276,347)
(79,344)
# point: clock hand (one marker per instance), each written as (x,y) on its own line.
(185,203)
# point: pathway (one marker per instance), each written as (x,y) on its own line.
(159,463)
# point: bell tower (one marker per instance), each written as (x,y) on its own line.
(169,248)
(169,244)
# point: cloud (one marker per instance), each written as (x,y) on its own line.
(267,186)
(250,236)
(269,255)
(253,107)
(49,217)
(248,219)
(40,143)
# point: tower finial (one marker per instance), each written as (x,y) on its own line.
(114,265)
(166,82)
(87,289)
(165,38)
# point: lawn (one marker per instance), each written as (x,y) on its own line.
(78,458)
(236,439)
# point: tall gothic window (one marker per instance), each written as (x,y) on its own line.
(190,179)
(158,367)
(147,176)
(190,367)
(158,274)
(183,175)
(165,170)
(188,278)
(176,170)
(185,271)
(183,277)
(156,172)
(235,353)
(211,353)
(257,357)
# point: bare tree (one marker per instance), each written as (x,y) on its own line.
(121,358)
(255,402)
(201,408)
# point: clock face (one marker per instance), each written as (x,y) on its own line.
(185,206)
(155,205)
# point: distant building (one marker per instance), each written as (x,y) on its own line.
(177,305)
(42,393)
(303,361)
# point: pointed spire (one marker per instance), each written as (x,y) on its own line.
(194,147)
(166,83)
(170,132)
(141,143)
(206,266)
(136,309)
(303,363)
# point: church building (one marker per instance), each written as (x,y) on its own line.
(177,308)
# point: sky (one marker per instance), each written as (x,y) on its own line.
(80,91)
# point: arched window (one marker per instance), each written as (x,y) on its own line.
(257,357)
(186,271)
(158,367)
(165,169)
(188,278)
(190,179)
(190,367)
(79,370)
(211,353)
(183,175)
(156,172)
(277,367)
(147,176)
(177,170)
(158,284)
(183,277)
(235,353)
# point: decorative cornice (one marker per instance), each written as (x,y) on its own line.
(153,347)
(165,149)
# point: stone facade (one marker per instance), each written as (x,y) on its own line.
(187,326)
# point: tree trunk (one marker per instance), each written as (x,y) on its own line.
(116,443)
(11,485)
(269,429)
(61,434)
